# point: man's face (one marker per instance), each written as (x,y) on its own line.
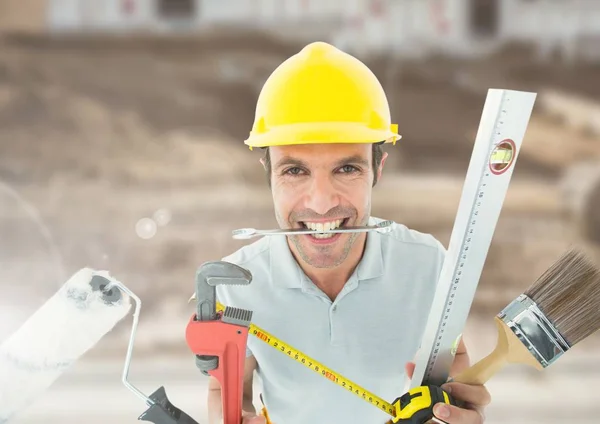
(322,186)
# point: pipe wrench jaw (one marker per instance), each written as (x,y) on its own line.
(208,276)
(218,340)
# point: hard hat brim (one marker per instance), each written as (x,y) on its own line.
(321,133)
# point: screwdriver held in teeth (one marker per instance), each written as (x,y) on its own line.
(246,233)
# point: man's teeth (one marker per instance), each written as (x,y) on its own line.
(323,226)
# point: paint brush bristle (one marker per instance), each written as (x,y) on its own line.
(568,293)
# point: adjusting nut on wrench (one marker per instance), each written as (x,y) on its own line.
(208,276)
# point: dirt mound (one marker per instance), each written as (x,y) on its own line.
(127,110)
(211,40)
(83,139)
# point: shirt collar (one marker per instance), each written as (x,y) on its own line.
(371,264)
(285,271)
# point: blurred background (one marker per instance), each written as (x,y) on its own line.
(121,148)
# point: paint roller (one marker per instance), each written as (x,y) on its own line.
(69,324)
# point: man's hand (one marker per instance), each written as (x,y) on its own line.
(251,418)
(475,397)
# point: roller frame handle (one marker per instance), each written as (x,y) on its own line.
(164,412)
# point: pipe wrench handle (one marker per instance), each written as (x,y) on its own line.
(225,340)
(219,340)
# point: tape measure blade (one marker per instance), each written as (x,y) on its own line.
(504,120)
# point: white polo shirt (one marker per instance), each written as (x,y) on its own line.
(367,334)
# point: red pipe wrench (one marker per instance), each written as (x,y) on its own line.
(219,339)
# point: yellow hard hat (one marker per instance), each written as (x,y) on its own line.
(322,95)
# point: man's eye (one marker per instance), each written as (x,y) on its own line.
(293,171)
(347,169)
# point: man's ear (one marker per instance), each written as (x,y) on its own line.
(380,169)
(263,163)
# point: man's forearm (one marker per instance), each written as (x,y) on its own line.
(215,406)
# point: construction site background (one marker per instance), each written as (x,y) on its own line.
(126,153)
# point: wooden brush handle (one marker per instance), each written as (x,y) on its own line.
(482,371)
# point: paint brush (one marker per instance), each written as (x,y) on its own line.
(560,309)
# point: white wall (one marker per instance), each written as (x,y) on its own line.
(109,15)
(106,16)
(550,19)
(271,11)
(406,27)
(553,25)
(226,10)
(63,15)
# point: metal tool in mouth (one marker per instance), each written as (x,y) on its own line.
(534,330)
(246,233)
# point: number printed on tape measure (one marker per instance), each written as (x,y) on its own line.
(322,370)
(308,362)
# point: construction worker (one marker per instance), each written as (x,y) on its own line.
(356,302)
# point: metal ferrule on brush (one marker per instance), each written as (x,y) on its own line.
(534,330)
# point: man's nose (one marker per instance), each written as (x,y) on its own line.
(322,195)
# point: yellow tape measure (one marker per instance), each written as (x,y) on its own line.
(318,367)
